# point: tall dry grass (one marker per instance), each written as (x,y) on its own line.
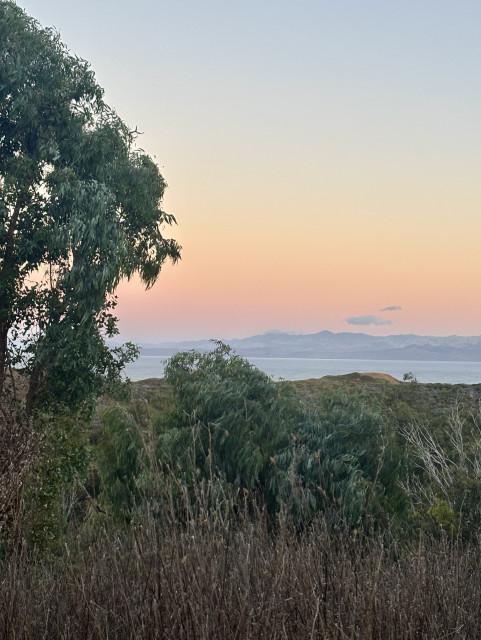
(19,446)
(219,572)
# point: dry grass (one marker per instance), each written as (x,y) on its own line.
(229,576)
(312,388)
(19,445)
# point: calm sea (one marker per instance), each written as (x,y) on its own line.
(303,368)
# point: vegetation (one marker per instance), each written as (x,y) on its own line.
(80,208)
(217,503)
(215,576)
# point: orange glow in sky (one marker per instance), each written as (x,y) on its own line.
(323,160)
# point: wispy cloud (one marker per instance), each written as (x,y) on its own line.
(394,307)
(364,320)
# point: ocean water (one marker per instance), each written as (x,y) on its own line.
(303,368)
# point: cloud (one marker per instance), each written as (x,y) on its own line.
(363,320)
(394,307)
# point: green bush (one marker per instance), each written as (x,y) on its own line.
(230,419)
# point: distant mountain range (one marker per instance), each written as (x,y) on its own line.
(326,344)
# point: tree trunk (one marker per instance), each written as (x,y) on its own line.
(33,388)
(7,283)
(3,353)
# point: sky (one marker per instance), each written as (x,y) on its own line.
(323,159)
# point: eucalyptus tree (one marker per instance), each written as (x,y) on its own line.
(80,209)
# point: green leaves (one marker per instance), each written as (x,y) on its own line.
(236,422)
(239,415)
(80,208)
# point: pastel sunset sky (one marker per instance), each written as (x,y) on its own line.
(323,159)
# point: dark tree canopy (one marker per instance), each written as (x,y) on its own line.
(80,209)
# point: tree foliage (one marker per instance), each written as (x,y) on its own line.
(345,460)
(231,418)
(80,208)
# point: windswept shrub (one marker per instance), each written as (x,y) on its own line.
(339,457)
(120,455)
(231,419)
